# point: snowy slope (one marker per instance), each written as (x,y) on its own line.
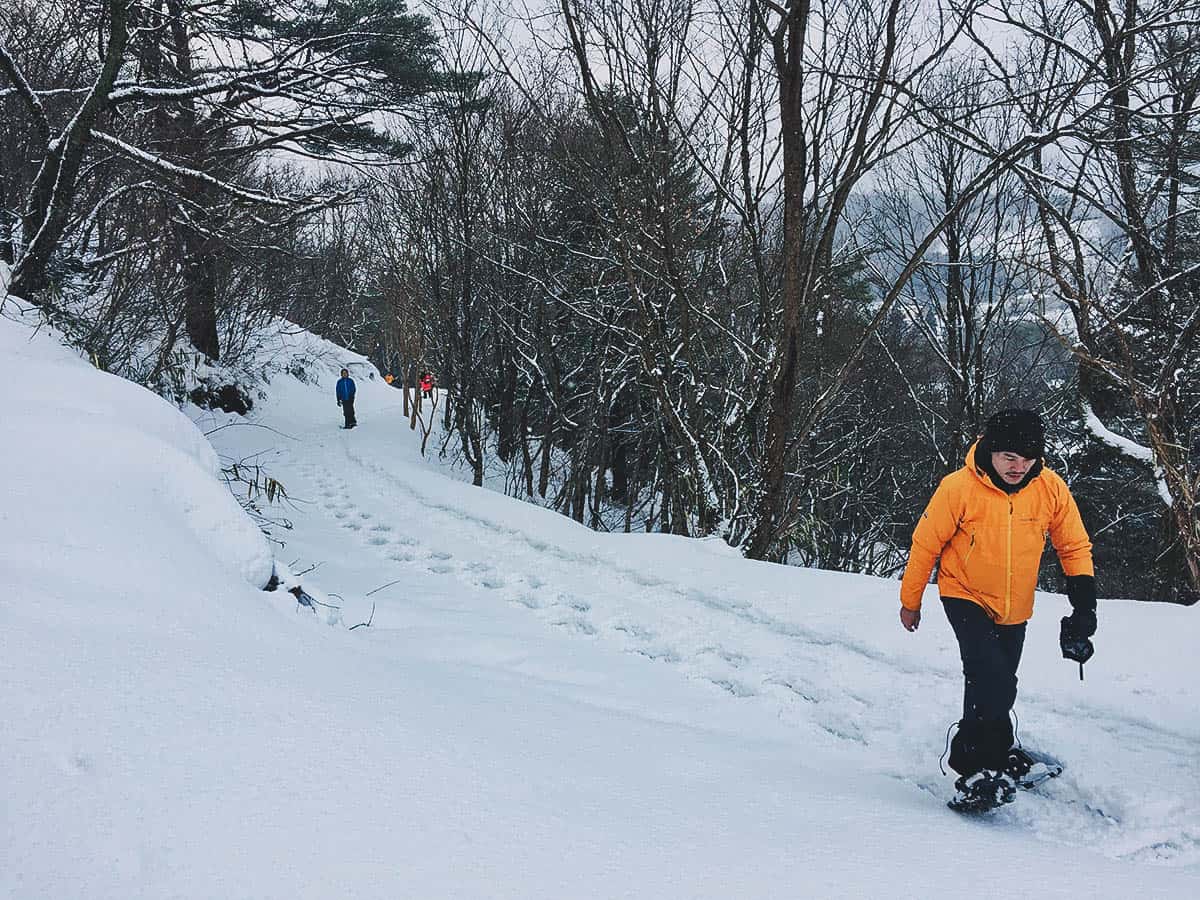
(536,710)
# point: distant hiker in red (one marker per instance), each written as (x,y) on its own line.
(345,397)
(427,385)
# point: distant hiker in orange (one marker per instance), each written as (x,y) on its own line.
(389,378)
(987,525)
(427,385)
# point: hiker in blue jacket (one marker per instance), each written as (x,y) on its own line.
(345,397)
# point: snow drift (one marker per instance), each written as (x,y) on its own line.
(536,710)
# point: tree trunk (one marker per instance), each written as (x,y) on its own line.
(198,250)
(50,198)
(526,453)
(781,401)
(507,426)
(544,470)
(200,294)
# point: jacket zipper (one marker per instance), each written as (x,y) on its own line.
(1008,565)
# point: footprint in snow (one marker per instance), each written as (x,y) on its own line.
(666,655)
(576,625)
(574,603)
(733,687)
(737,660)
(635,631)
(646,580)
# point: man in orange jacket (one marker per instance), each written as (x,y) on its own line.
(987,524)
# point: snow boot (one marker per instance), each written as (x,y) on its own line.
(1028,770)
(983,791)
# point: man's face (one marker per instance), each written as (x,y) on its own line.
(1011,467)
(345,372)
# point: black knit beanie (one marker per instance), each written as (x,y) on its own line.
(1017,431)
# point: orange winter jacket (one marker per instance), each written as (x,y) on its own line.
(990,543)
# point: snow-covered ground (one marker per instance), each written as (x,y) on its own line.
(535,710)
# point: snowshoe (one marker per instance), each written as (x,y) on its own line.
(983,791)
(1028,768)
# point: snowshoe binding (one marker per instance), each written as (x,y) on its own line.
(983,791)
(1029,768)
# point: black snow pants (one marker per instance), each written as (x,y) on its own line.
(348,412)
(990,656)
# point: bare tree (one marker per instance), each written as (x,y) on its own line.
(1116,207)
(227,85)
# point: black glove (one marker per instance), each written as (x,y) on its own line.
(1077,628)
(1081,591)
(339,403)
(1083,623)
(1075,637)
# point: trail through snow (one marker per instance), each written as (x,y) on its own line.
(819,651)
(536,710)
